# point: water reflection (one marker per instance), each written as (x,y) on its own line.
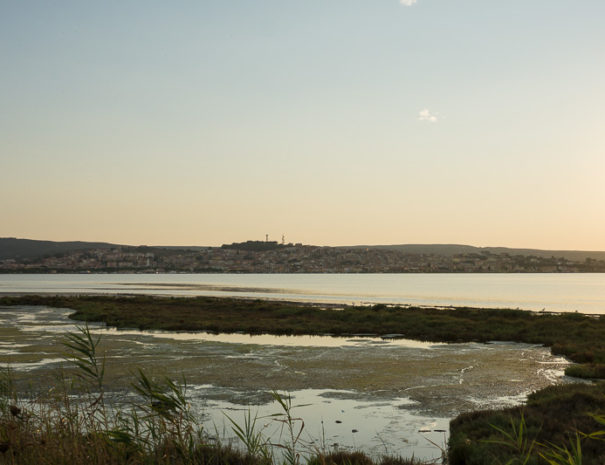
(271,340)
(583,292)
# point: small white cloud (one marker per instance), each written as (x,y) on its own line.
(407,2)
(426,115)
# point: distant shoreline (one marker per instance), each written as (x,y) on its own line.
(314,304)
(4,272)
(26,256)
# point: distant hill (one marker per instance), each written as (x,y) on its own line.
(454,249)
(14,248)
(428,249)
(576,255)
(194,248)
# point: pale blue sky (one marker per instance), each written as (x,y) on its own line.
(334,122)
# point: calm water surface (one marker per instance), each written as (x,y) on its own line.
(553,292)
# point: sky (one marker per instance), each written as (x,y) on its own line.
(330,122)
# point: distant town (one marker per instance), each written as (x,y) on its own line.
(273,257)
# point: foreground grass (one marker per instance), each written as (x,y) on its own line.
(565,421)
(579,337)
(50,440)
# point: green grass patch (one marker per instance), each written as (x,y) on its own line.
(554,417)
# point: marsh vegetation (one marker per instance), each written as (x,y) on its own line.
(563,420)
(579,337)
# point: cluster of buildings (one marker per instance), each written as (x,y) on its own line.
(260,257)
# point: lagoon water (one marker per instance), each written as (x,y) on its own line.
(368,393)
(559,292)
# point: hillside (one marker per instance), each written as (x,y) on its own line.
(455,249)
(13,248)
(30,256)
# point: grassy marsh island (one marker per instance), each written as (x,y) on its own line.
(554,416)
(579,337)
